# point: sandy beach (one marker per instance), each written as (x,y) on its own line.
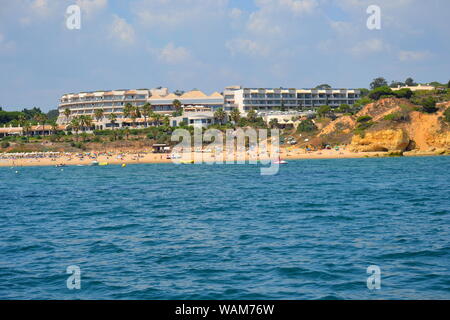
(120,158)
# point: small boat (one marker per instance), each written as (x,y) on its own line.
(103,164)
(94,163)
(187,161)
(279,161)
(60,165)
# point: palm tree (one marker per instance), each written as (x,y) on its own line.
(98,114)
(75,125)
(146,112)
(157,118)
(85,122)
(220,115)
(135,113)
(54,127)
(113,118)
(26,126)
(273,123)
(127,110)
(67,113)
(126,132)
(177,105)
(235,115)
(166,121)
(41,118)
(21,119)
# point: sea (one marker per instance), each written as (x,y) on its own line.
(375,228)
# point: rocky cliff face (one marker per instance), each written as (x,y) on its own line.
(382,140)
(411,130)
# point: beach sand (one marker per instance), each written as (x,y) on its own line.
(118,158)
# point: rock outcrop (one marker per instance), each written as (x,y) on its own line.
(414,130)
(383,140)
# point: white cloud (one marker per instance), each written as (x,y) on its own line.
(368,47)
(235,13)
(299,7)
(121,30)
(40,7)
(172,14)
(413,55)
(90,7)
(260,23)
(247,47)
(5,45)
(172,54)
(342,28)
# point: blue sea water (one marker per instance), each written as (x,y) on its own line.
(162,231)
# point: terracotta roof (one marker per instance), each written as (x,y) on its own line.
(171,96)
(216,94)
(11,130)
(194,94)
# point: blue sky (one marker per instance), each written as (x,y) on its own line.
(210,44)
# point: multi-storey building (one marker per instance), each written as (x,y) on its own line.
(263,99)
(86,103)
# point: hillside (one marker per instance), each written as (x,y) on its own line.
(390,124)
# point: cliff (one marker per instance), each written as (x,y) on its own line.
(390,125)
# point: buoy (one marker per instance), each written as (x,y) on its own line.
(17,171)
(124,165)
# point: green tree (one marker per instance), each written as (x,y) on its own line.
(344,108)
(26,127)
(85,122)
(75,125)
(127,110)
(220,115)
(54,127)
(396,84)
(135,113)
(112,119)
(235,115)
(251,115)
(67,114)
(306,126)
(41,118)
(176,104)
(364,119)
(126,132)
(379,92)
(447,114)
(323,86)
(378,82)
(273,123)
(98,114)
(410,82)
(404,93)
(146,112)
(322,111)
(429,105)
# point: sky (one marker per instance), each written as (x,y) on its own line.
(210,44)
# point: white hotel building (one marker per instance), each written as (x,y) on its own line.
(263,99)
(86,103)
(197,104)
